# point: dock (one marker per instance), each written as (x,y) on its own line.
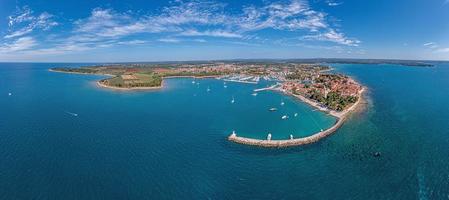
(240,81)
(266,88)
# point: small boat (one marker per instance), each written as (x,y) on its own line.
(208,89)
(73,114)
(225,86)
(282,103)
(273,109)
(254,94)
(193,82)
(284,117)
(233,100)
(9,94)
(296,114)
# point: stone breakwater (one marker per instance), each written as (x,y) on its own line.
(298,141)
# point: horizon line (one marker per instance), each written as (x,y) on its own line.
(234,59)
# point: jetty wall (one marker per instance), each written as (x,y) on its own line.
(298,141)
(288,142)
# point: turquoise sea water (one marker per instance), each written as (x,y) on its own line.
(171,144)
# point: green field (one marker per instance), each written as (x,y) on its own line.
(138,80)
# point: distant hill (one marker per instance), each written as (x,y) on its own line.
(339,61)
(416,63)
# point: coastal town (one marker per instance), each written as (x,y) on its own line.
(312,81)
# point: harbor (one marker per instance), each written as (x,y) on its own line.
(291,141)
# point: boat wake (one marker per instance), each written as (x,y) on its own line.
(70,113)
(422,190)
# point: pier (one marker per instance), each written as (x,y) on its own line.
(267,88)
(240,81)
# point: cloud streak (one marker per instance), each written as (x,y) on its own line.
(333,36)
(209,19)
(20,44)
(177,22)
(24,22)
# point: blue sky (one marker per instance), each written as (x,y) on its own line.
(143,30)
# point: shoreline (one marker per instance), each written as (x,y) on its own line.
(66,72)
(128,89)
(341,118)
(98,83)
(148,88)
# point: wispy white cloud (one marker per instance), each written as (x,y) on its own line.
(333,36)
(169,40)
(431,45)
(20,44)
(206,18)
(200,40)
(291,16)
(435,48)
(24,22)
(177,22)
(108,24)
(214,33)
(333,3)
(132,42)
(191,12)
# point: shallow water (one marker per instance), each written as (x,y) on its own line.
(171,144)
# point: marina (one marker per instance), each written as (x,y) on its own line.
(241,79)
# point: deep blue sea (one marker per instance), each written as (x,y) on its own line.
(62,137)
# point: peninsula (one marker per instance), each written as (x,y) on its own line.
(312,83)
